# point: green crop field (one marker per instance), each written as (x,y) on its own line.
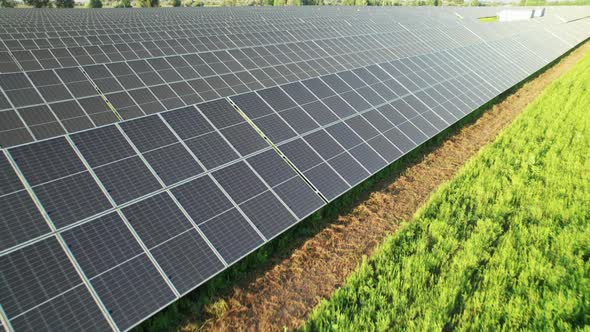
(505,245)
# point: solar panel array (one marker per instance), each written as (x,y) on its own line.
(144,151)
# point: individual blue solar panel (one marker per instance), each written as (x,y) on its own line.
(320,113)
(33,275)
(299,120)
(162,159)
(300,154)
(387,150)
(231,235)
(156,219)
(344,135)
(212,150)
(349,168)
(368,157)
(268,214)
(299,93)
(187,122)
(202,199)
(9,181)
(20,220)
(318,87)
(412,132)
(252,105)
(72,198)
(323,144)
(187,260)
(103,145)
(244,138)
(127,179)
(395,117)
(47,160)
(327,181)
(220,113)
(337,105)
(362,127)
(132,291)
(239,181)
(148,133)
(277,99)
(102,244)
(275,128)
(299,197)
(271,167)
(74,310)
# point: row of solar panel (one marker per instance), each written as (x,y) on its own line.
(329,129)
(52,102)
(73,55)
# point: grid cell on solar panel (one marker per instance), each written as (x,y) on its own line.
(75,310)
(356,101)
(339,106)
(327,181)
(385,148)
(187,122)
(348,168)
(98,110)
(299,120)
(72,198)
(276,98)
(323,144)
(367,157)
(268,214)
(161,160)
(299,196)
(425,127)
(33,275)
(127,179)
(271,167)
(362,127)
(300,154)
(101,244)
(20,220)
(378,120)
(239,181)
(318,87)
(274,128)
(220,113)
(148,133)
(132,291)
(47,160)
(102,145)
(299,93)
(231,235)
(9,181)
(244,138)
(202,199)
(252,105)
(336,83)
(211,149)
(344,135)
(400,140)
(187,260)
(411,131)
(156,219)
(435,120)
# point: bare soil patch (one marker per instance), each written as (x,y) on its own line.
(286,291)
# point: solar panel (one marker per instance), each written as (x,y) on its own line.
(138,161)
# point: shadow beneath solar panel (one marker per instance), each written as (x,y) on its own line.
(195,305)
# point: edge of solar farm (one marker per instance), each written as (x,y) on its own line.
(279,144)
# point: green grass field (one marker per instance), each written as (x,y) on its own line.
(505,245)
